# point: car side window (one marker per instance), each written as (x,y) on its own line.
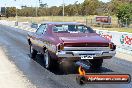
(42,29)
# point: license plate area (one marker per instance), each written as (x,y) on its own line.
(84,57)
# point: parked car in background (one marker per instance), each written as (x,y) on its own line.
(34,25)
(71,41)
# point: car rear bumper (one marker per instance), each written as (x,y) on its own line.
(94,54)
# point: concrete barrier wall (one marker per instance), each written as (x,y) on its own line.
(123,40)
(21,25)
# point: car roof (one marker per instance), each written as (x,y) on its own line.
(57,23)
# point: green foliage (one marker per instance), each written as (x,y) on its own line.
(124,13)
(10,11)
(88,7)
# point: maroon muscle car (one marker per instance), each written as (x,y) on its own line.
(70,41)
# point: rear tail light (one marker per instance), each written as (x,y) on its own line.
(61,46)
(112,46)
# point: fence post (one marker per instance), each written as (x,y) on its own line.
(16,23)
(86,21)
(91,22)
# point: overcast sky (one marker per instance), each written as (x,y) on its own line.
(19,3)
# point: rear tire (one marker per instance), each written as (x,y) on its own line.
(80,80)
(33,53)
(68,67)
(49,63)
(96,63)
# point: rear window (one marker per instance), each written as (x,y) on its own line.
(72,29)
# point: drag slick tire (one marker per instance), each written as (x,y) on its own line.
(49,63)
(96,63)
(33,52)
(81,80)
(68,67)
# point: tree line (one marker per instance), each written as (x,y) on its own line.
(88,7)
(121,8)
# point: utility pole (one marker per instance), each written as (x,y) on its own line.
(76,7)
(5,10)
(16,23)
(63,9)
(36,8)
(46,6)
(16,14)
(36,11)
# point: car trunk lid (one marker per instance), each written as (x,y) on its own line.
(82,40)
